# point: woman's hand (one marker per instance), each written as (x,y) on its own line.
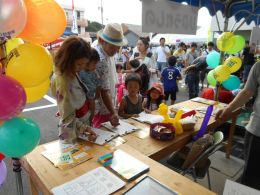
(92,136)
(135,115)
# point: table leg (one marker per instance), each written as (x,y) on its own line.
(34,190)
(230,136)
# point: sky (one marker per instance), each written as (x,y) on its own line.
(124,11)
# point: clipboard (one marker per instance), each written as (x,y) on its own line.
(102,136)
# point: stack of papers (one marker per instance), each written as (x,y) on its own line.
(66,156)
(102,136)
(122,129)
(98,181)
(149,118)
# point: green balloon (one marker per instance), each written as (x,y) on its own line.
(211,80)
(18,137)
(239,43)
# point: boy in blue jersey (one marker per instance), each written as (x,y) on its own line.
(170,75)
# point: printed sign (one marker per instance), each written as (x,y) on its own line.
(164,16)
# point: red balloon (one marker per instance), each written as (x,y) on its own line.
(2,156)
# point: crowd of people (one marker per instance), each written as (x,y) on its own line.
(92,88)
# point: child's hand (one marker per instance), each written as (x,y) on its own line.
(147,111)
(135,115)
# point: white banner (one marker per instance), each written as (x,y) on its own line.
(163,16)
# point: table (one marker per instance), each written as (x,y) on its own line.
(44,176)
(157,150)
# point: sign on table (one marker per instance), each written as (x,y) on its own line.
(164,16)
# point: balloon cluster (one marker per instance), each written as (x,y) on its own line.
(231,44)
(24,78)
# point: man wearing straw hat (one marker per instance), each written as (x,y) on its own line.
(110,39)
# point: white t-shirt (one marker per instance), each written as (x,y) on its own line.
(161,56)
(206,52)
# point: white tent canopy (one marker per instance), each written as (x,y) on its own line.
(200,37)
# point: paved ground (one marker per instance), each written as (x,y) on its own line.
(43,112)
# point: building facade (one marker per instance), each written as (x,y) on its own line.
(82,22)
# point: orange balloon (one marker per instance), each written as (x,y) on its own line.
(46,21)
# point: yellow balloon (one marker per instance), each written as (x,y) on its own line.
(224,41)
(12,44)
(221,73)
(34,94)
(46,21)
(29,64)
(233,63)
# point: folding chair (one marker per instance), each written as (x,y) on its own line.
(197,166)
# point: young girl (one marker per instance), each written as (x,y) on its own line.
(155,97)
(131,104)
(91,79)
(120,87)
(69,90)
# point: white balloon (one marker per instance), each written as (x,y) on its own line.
(13,16)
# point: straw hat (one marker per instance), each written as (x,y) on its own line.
(113,33)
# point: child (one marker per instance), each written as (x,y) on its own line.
(91,79)
(143,72)
(169,77)
(69,90)
(131,104)
(154,98)
(120,87)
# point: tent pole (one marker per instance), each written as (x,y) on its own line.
(225,29)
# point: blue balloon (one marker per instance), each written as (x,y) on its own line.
(213,59)
(18,136)
(232,83)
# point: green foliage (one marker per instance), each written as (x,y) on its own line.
(93,26)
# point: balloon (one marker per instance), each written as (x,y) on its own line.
(13,16)
(18,137)
(211,80)
(2,156)
(232,83)
(46,21)
(233,63)
(224,41)
(213,59)
(13,43)
(30,64)
(12,97)
(239,43)
(3,172)
(204,123)
(221,73)
(36,93)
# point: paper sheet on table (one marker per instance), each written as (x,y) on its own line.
(234,188)
(115,142)
(66,156)
(98,181)
(149,118)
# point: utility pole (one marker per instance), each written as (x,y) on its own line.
(101,9)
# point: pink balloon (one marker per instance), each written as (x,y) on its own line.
(13,17)
(12,97)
